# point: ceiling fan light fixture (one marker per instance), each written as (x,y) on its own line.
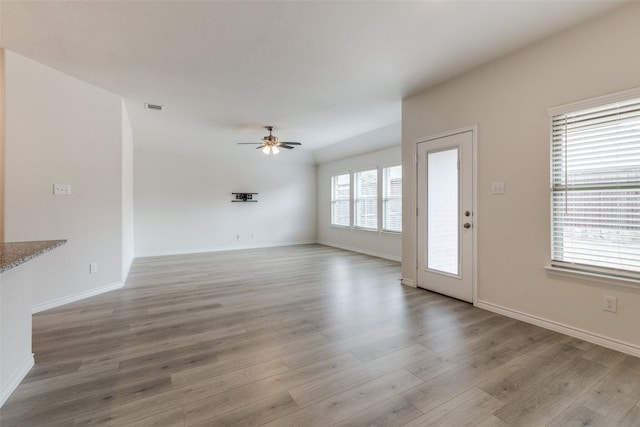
(270,144)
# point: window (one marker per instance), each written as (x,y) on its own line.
(340,197)
(366,199)
(595,189)
(392,199)
(377,199)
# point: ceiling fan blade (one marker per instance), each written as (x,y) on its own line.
(245,143)
(260,146)
(285,146)
(290,143)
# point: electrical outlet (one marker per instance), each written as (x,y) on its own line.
(93,267)
(609,303)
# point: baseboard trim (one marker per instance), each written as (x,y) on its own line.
(37,308)
(16,379)
(607,342)
(360,250)
(221,249)
(408,282)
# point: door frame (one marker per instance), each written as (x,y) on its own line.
(474,190)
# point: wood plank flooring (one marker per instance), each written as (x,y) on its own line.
(306,335)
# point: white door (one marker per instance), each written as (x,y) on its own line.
(445,215)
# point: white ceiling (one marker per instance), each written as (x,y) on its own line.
(320,71)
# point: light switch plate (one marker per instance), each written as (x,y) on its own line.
(61,189)
(497,187)
(610,303)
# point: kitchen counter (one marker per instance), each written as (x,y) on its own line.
(16,281)
(13,254)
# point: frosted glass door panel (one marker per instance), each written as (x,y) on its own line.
(443,239)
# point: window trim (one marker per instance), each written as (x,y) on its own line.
(588,272)
(594,102)
(593,276)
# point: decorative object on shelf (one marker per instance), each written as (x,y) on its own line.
(270,143)
(244,197)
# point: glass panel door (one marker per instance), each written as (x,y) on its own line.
(445,217)
(443,237)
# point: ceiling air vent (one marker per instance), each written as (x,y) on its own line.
(153,107)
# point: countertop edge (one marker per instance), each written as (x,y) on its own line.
(13,254)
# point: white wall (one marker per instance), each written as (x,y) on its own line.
(375,140)
(62,130)
(508,99)
(382,244)
(127,194)
(183,199)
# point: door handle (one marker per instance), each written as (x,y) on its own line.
(467,225)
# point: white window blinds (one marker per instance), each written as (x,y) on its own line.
(595,188)
(392,199)
(340,199)
(366,199)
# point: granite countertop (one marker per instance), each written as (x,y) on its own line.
(12,254)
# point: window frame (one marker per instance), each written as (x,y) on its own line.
(385,198)
(334,176)
(587,271)
(355,199)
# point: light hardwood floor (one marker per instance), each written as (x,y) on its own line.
(306,335)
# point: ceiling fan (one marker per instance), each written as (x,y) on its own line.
(270,143)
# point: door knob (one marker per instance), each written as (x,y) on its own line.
(467,225)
